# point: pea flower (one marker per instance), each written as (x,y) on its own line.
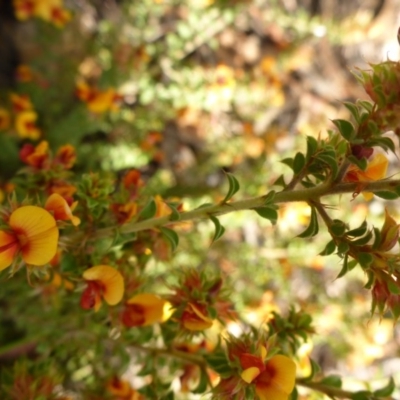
(273,378)
(61,209)
(25,125)
(143,309)
(103,282)
(36,157)
(66,156)
(376,170)
(124,212)
(33,234)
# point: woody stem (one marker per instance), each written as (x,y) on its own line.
(307,195)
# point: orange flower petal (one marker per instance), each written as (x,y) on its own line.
(8,249)
(60,208)
(111,279)
(249,374)
(284,376)
(37,234)
(153,307)
(267,392)
(377,168)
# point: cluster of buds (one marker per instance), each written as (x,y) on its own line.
(198,300)
(386,294)
(257,371)
(125,207)
(22,117)
(382,84)
(52,11)
(97,101)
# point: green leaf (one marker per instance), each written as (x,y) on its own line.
(345,128)
(203,382)
(362,395)
(281,182)
(363,240)
(298,162)
(233,187)
(377,239)
(360,231)
(330,161)
(365,259)
(393,288)
(362,164)
(171,236)
(353,110)
(315,369)
(312,228)
(332,380)
(329,249)
(387,195)
(267,213)
(345,268)
(288,162)
(219,229)
(366,105)
(312,146)
(175,214)
(343,248)
(269,197)
(294,395)
(148,211)
(338,228)
(387,390)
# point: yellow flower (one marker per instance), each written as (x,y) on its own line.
(36,157)
(24,9)
(124,212)
(20,102)
(162,207)
(66,156)
(143,309)
(274,379)
(61,210)
(104,282)
(25,125)
(102,101)
(33,234)
(376,170)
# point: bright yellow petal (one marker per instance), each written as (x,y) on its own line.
(267,392)
(153,307)
(111,279)
(263,352)
(284,376)
(8,249)
(37,233)
(41,247)
(249,374)
(368,196)
(377,168)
